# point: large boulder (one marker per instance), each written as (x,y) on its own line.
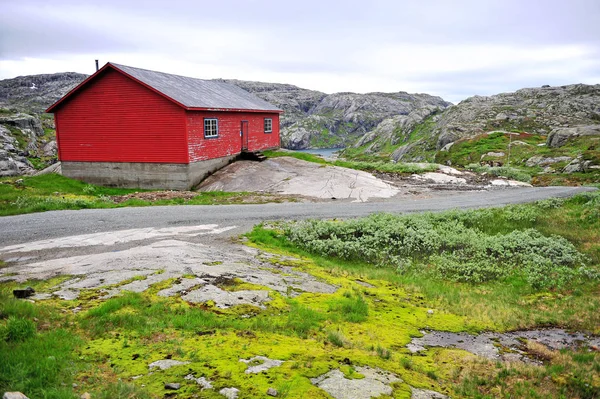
(12,164)
(559,136)
(577,165)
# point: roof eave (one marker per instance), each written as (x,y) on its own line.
(98,72)
(266,111)
(51,108)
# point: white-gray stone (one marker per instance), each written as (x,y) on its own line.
(440,178)
(14,395)
(257,364)
(376,382)
(166,364)
(230,393)
(202,381)
(417,393)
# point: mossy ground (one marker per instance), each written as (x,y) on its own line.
(105,346)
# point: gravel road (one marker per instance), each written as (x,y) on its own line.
(47,225)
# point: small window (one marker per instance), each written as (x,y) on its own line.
(211,128)
(268,125)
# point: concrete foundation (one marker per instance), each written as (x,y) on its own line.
(169,176)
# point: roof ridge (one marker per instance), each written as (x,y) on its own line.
(164,73)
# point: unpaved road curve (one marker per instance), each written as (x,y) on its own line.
(46,225)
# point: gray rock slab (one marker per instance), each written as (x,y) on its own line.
(481,345)
(166,364)
(117,237)
(286,175)
(486,344)
(376,382)
(226,299)
(181,287)
(417,393)
(167,259)
(257,364)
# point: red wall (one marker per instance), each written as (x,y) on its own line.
(229,141)
(114,119)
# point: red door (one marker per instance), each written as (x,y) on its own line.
(244,134)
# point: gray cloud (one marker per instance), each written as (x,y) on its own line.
(454,49)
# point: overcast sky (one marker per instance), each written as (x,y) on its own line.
(450,48)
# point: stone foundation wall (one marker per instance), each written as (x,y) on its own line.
(169,176)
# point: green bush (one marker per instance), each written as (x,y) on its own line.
(452,245)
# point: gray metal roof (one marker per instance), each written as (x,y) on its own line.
(198,93)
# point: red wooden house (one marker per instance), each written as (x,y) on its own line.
(132,127)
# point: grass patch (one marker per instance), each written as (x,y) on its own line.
(379,166)
(351,307)
(55,192)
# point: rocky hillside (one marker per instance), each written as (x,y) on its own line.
(27,138)
(540,111)
(317,120)
(35,93)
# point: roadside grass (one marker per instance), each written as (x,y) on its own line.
(55,192)
(377,166)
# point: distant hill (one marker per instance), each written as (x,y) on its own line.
(537,111)
(35,93)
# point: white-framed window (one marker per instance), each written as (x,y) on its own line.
(211,127)
(268,125)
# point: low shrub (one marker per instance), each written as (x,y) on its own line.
(502,171)
(452,245)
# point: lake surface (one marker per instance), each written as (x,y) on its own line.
(324,152)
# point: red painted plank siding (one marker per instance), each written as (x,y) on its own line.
(114,119)
(229,141)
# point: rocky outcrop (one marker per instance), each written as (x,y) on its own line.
(559,137)
(12,160)
(23,136)
(340,119)
(532,110)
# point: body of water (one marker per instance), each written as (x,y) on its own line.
(324,152)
